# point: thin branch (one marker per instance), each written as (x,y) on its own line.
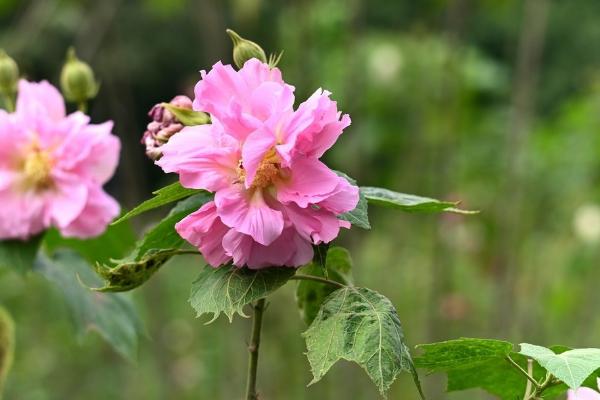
(253,348)
(522,371)
(301,277)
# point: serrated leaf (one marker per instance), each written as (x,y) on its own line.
(359,325)
(311,295)
(572,367)
(360,215)
(163,196)
(157,246)
(19,254)
(461,353)
(228,289)
(113,316)
(7,345)
(188,117)
(409,202)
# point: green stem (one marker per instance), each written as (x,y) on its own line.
(522,371)
(184,252)
(301,277)
(253,348)
(82,106)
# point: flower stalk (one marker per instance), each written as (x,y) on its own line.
(253,348)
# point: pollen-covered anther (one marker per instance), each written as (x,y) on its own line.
(37,168)
(267,171)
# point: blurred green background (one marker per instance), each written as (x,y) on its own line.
(493,102)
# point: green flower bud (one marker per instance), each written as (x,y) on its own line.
(77,80)
(7,344)
(9,74)
(244,49)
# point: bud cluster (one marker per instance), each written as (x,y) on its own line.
(164,125)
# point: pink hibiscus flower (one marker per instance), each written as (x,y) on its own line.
(274,198)
(584,393)
(53,166)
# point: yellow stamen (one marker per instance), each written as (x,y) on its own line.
(37,168)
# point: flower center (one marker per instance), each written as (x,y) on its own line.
(268,170)
(37,168)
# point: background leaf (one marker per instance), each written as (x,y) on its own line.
(113,316)
(163,196)
(409,202)
(311,295)
(572,367)
(461,353)
(360,215)
(360,325)
(228,289)
(151,252)
(7,345)
(18,254)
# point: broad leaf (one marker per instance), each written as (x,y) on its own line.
(360,215)
(311,295)
(228,289)
(572,367)
(163,196)
(188,117)
(18,254)
(461,353)
(409,202)
(113,316)
(7,345)
(157,246)
(360,325)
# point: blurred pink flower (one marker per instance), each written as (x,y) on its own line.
(164,125)
(273,197)
(584,393)
(53,166)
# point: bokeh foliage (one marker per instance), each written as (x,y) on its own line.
(444,103)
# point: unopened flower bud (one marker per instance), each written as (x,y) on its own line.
(244,49)
(164,125)
(77,79)
(9,74)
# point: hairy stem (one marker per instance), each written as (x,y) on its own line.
(253,348)
(522,371)
(301,277)
(530,373)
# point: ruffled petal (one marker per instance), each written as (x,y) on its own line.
(100,209)
(255,148)
(247,212)
(310,182)
(66,200)
(343,199)
(314,225)
(203,156)
(39,99)
(204,230)
(21,214)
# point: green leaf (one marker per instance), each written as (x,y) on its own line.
(360,325)
(409,202)
(163,196)
(228,289)
(461,353)
(116,241)
(113,316)
(311,295)
(19,254)
(572,367)
(360,215)
(157,246)
(7,345)
(188,117)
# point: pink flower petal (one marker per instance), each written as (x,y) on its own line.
(39,99)
(344,198)
(203,156)
(310,182)
(255,148)
(583,393)
(205,230)
(67,200)
(21,214)
(100,209)
(314,225)
(248,213)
